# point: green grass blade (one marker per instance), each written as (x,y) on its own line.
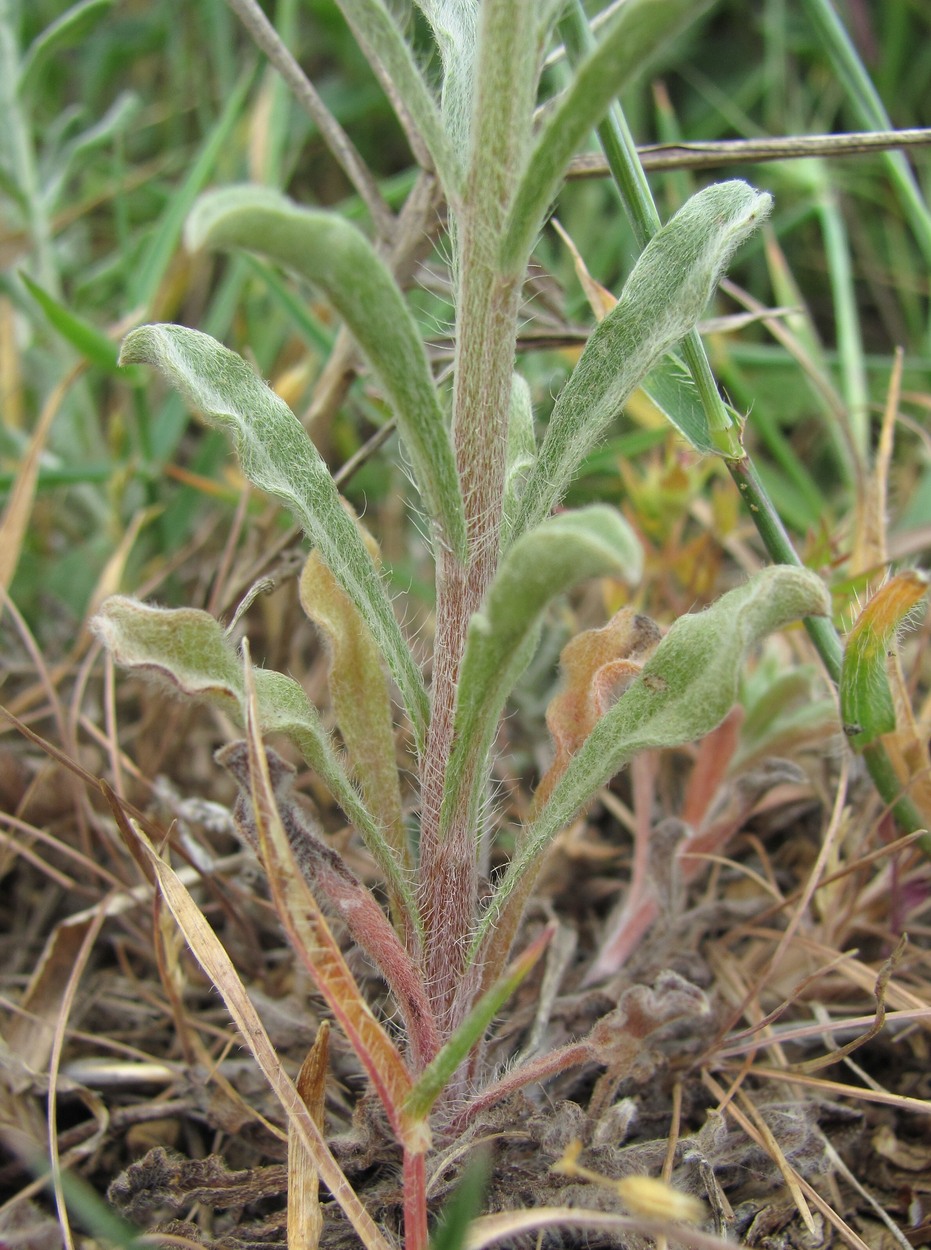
(161,247)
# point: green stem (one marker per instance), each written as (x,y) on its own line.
(869,110)
(624,163)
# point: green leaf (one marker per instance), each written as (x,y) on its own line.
(639,27)
(671,389)
(522,447)
(440,1071)
(662,301)
(866,703)
(66,31)
(153,264)
(390,57)
(683,692)
(455,27)
(335,256)
(187,650)
(592,542)
(278,457)
(92,343)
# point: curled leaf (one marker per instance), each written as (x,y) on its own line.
(866,701)
(597,665)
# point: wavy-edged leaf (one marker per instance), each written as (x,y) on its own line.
(661,302)
(590,542)
(390,56)
(331,253)
(683,691)
(638,28)
(187,650)
(278,457)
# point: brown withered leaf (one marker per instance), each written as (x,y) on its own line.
(597,667)
(165,1181)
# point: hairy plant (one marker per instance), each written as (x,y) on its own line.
(490,489)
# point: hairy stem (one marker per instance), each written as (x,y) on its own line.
(486,331)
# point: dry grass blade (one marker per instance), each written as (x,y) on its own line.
(799,1187)
(216,963)
(305,1218)
(15,519)
(489,1229)
(313,941)
(723,152)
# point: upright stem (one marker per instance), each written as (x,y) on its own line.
(416,1235)
(487,306)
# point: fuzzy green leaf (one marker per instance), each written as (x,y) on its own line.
(278,457)
(661,302)
(522,447)
(335,256)
(187,650)
(683,692)
(440,1071)
(591,542)
(637,30)
(390,56)
(455,27)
